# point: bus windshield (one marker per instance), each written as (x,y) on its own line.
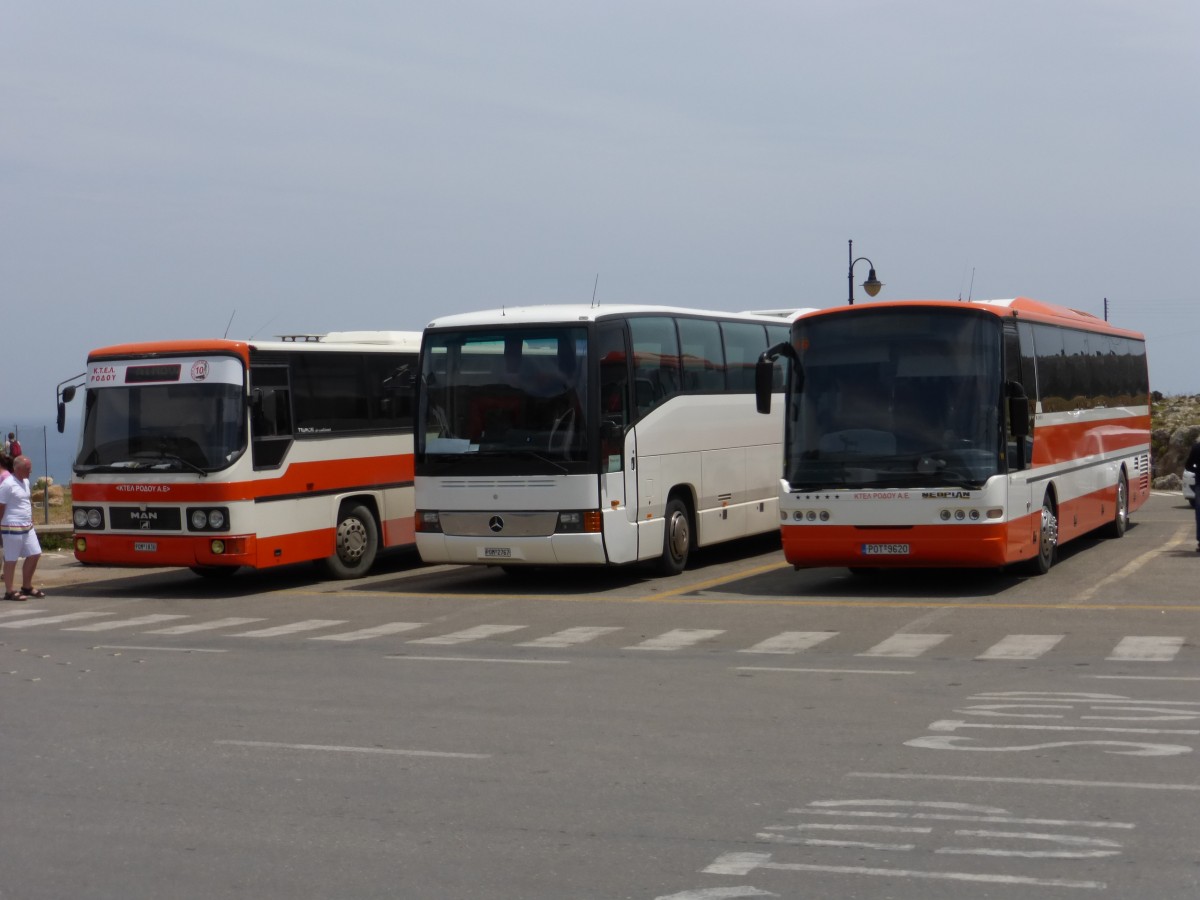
(518,392)
(196,427)
(896,398)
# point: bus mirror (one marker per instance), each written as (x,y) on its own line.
(764,374)
(764,378)
(1018,416)
(256,401)
(65,393)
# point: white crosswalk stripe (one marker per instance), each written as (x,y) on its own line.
(205,626)
(1146,649)
(905,646)
(125,623)
(1022,646)
(53,620)
(570,637)
(477,633)
(791,642)
(366,633)
(677,639)
(306,625)
(1012,647)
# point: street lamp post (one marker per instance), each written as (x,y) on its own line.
(871,285)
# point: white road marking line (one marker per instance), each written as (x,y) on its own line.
(1146,649)
(364,633)
(571,637)
(791,642)
(1145,677)
(273,745)
(53,620)
(19,611)
(1032,782)
(480,659)
(745,863)
(1022,646)
(855,826)
(477,633)
(947,817)
(306,625)
(204,626)
(958,724)
(677,639)
(905,645)
(822,671)
(125,623)
(819,842)
(163,649)
(718,893)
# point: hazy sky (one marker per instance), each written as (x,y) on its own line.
(306,167)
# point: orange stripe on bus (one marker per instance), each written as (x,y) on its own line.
(325,476)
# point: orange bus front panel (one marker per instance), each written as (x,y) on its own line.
(982,545)
(161,551)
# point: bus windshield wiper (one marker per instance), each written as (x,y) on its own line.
(525,451)
(162,456)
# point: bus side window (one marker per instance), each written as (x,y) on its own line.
(270,416)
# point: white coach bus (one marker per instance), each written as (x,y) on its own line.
(580,435)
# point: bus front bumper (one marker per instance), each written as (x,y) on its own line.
(948,546)
(548,550)
(162,551)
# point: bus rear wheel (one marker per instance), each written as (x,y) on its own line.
(355,544)
(677,538)
(1116,528)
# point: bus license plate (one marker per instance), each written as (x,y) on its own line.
(885,549)
(145,547)
(497,552)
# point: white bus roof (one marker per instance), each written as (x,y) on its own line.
(583,312)
(337,340)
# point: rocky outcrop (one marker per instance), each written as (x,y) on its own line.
(1175,427)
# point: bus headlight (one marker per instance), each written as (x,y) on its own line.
(211,519)
(87,517)
(578,522)
(428,521)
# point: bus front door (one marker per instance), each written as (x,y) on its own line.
(619,500)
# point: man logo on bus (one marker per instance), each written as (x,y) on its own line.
(200,370)
(496,524)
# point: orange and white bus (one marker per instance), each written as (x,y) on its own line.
(219,454)
(943,433)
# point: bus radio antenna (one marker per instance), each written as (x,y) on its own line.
(227,324)
(264,325)
(594,286)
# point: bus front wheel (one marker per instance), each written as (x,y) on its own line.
(677,539)
(214,571)
(355,545)
(1047,539)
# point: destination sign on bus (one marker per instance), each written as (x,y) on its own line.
(147,374)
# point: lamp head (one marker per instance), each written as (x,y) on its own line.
(872,284)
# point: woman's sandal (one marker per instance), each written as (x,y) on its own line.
(14,595)
(33,592)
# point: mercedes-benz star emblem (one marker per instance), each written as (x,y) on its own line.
(496,524)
